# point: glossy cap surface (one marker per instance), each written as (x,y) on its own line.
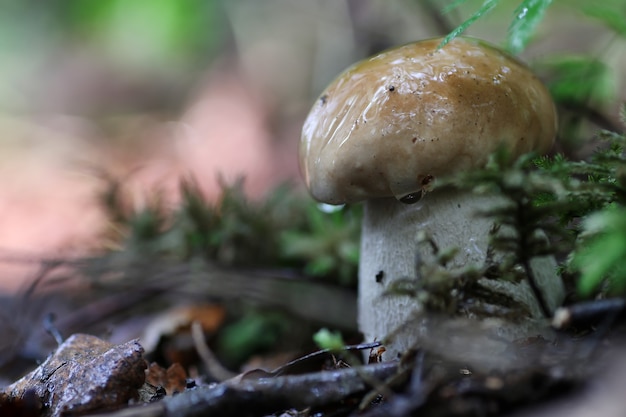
(391,123)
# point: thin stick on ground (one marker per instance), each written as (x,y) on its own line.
(211,363)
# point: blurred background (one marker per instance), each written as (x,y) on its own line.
(152,91)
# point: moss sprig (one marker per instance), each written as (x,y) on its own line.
(559,207)
(284,230)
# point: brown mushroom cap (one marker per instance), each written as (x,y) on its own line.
(392,122)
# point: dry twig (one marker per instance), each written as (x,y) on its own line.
(264,396)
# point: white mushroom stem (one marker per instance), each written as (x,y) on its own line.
(389,251)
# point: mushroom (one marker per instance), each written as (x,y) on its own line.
(388,127)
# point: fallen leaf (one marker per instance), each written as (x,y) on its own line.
(173,379)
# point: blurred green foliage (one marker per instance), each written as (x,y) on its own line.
(255,332)
(611,13)
(147,33)
(282,230)
(580,80)
(156,48)
(325,339)
(601,255)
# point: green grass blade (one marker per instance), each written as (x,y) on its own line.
(487,6)
(527,16)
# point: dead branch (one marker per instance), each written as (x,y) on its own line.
(264,396)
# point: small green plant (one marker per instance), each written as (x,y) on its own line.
(328,243)
(579,205)
(283,230)
(435,286)
(254,332)
(325,339)
(601,254)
